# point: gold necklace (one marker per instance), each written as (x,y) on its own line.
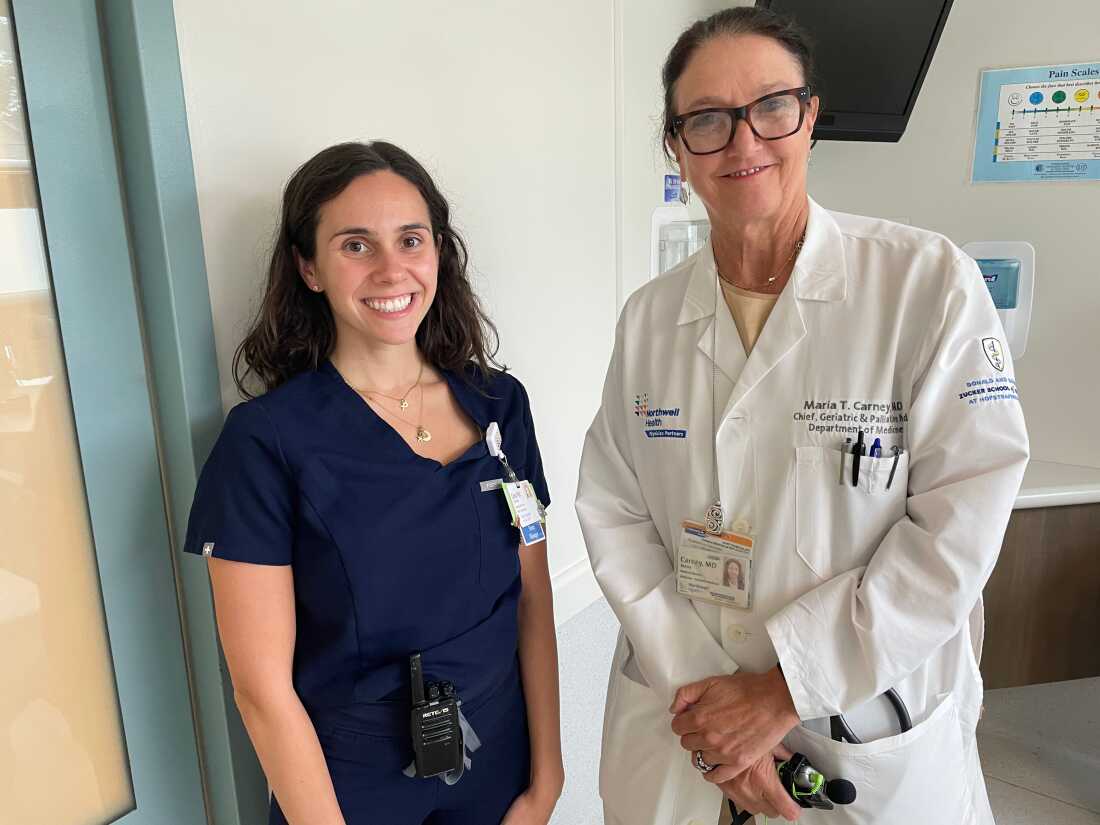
(403,400)
(423,435)
(773,278)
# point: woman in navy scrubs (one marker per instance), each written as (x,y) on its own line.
(350,516)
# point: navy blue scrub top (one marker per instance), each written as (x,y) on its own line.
(392,553)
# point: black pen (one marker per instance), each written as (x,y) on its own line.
(893,467)
(857,450)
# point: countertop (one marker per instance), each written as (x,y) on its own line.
(1050,484)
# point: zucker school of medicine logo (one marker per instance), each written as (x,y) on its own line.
(994,353)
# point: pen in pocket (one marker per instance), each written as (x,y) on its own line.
(893,466)
(859,449)
(844,452)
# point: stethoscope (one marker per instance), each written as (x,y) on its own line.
(841,732)
(812,795)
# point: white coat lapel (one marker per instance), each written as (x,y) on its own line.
(731,352)
(819,275)
(704,300)
(782,333)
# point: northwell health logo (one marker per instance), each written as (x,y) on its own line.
(655,419)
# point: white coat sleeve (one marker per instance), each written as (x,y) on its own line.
(862,632)
(672,645)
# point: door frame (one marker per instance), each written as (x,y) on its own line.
(150,114)
(112,156)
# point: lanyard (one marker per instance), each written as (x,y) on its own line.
(714,519)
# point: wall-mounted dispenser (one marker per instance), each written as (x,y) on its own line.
(1008,268)
(674,236)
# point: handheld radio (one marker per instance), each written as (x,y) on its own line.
(436,731)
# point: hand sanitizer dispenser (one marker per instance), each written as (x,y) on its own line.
(674,236)
(1008,268)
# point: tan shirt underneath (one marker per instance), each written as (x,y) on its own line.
(750,311)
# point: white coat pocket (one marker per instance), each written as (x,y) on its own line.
(917,777)
(838,525)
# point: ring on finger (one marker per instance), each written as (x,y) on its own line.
(701,764)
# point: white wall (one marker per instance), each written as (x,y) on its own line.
(925,179)
(510,106)
(649,28)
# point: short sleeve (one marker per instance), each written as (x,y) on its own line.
(243,508)
(532,461)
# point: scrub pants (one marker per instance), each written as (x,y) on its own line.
(371,790)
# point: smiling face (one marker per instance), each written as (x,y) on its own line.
(376,261)
(751,180)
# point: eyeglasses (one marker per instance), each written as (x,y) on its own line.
(772,117)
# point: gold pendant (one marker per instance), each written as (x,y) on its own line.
(404,404)
(422,435)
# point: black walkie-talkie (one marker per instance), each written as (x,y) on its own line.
(436,732)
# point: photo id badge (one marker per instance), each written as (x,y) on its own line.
(714,568)
(523,504)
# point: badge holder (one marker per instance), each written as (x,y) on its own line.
(527,511)
(715,567)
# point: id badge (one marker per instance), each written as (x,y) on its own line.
(523,504)
(714,568)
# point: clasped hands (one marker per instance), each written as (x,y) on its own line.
(738,723)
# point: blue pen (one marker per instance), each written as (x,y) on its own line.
(876,449)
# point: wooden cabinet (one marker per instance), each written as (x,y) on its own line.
(1042,603)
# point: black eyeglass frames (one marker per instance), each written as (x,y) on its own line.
(771,117)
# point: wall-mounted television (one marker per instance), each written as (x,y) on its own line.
(872,57)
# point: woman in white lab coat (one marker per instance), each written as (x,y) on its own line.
(739,384)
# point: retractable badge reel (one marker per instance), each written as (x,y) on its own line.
(527,511)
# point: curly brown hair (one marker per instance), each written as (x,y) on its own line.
(294,330)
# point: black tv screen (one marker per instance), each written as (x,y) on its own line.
(872,56)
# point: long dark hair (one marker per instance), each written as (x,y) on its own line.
(294,330)
(730,22)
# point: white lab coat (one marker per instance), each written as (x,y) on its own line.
(855,589)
